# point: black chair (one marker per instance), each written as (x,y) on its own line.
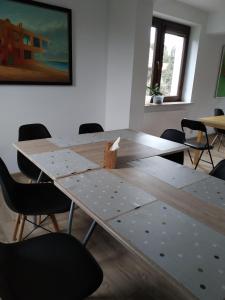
(177,136)
(197,126)
(219,132)
(53,266)
(219,170)
(32,200)
(90,128)
(31,132)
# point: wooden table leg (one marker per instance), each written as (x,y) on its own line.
(197,152)
(16,227)
(21,228)
(55,223)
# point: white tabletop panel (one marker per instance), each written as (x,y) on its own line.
(210,190)
(105,194)
(169,171)
(138,137)
(62,163)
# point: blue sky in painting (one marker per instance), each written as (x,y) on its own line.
(49,23)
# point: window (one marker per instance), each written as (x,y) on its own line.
(27,54)
(44,44)
(167,57)
(36,42)
(26,40)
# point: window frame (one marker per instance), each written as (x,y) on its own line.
(162,27)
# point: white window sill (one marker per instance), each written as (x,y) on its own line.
(166,106)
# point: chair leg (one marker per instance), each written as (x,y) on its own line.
(210,155)
(23,218)
(214,140)
(54,222)
(16,227)
(199,159)
(221,139)
(190,157)
(39,220)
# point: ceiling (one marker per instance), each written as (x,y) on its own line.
(206,5)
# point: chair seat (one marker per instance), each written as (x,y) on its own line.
(41,199)
(54,266)
(198,146)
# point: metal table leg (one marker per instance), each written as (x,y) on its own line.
(70,221)
(89,233)
(39,177)
(38,180)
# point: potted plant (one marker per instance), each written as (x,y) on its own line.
(157,96)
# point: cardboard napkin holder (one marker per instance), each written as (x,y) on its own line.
(110,157)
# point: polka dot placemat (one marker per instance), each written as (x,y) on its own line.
(188,250)
(93,138)
(69,142)
(211,190)
(105,194)
(138,137)
(169,171)
(62,163)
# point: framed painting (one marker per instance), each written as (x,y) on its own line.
(35,43)
(220,89)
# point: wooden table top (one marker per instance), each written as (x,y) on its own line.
(214,121)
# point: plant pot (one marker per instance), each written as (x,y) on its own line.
(158,99)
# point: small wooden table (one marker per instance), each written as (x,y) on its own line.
(211,121)
(214,121)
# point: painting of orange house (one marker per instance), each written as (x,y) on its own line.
(35,43)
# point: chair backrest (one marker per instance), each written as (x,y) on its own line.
(174,135)
(218,112)
(33,132)
(9,186)
(30,132)
(22,264)
(193,125)
(5,288)
(90,128)
(219,170)
(177,136)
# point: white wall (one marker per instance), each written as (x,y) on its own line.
(62,109)
(216,21)
(206,73)
(128,46)
(110,54)
(140,66)
(122,15)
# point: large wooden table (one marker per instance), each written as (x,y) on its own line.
(178,233)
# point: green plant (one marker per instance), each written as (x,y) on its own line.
(154,90)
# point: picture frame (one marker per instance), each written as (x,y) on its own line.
(220,88)
(35,43)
